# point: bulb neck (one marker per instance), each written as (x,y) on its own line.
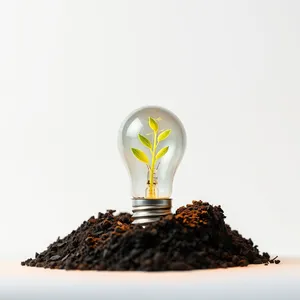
(146,211)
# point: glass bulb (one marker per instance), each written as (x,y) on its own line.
(152,141)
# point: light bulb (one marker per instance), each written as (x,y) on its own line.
(152,142)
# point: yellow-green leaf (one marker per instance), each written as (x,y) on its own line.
(140,155)
(161,152)
(164,135)
(153,124)
(145,141)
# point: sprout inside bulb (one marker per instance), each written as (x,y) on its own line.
(152,142)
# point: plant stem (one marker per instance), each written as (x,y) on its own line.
(151,185)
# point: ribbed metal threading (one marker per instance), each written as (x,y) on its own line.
(146,211)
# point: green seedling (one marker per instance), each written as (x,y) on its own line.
(158,136)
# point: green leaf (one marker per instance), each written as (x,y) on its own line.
(164,135)
(161,152)
(140,155)
(145,141)
(153,124)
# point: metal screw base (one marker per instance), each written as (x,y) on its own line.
(146,211)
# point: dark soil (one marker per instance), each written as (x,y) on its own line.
(195,237)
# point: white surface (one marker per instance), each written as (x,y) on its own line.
(70,71)
(273,282)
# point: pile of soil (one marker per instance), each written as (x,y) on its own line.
(195,237)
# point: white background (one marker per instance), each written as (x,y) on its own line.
(71,71)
